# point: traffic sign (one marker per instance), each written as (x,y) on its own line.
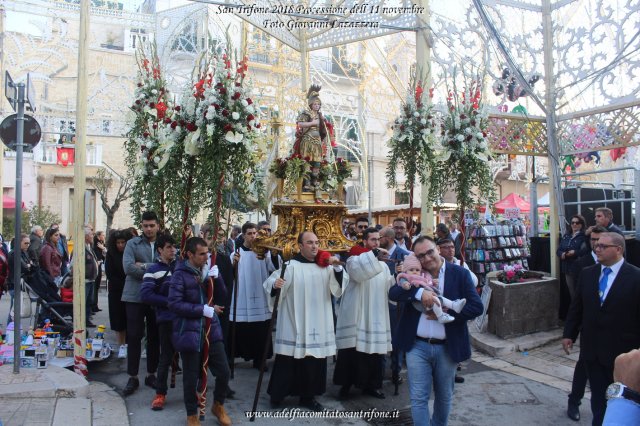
(10,90)
(9,131)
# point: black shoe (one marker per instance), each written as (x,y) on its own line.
(573,412)
(90,324)
(230,393)
(150,381)
(459,379)
(374,393)
(311,404)
(131,387)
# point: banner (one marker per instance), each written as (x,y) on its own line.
(65,156)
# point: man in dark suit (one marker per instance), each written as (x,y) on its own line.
(579,382)
(396,257)
(606,311)
(434,349)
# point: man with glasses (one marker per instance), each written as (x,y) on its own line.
(579,381)
(362,223)
(363,334)
(605,311)
(304,331)
(400,229)
(433,349)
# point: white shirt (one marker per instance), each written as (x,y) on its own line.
(392,249)
(615,268)
(432,328)
(473,276)
(401,243)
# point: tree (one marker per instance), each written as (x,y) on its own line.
(102,182)
(34,215)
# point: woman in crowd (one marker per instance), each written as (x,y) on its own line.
(115,285)
(27,266)
(50,257)
(572,246)
(100,250)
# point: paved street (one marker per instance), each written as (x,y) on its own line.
(522,388)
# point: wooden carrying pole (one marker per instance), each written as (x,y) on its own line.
(79,184)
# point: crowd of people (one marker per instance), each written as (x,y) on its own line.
(394,298)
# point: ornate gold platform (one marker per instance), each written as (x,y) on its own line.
(324,219)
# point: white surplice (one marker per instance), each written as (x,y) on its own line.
(363,316)
(252,302)
(305,318)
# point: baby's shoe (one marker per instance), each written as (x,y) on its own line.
(458,305)
(445,318)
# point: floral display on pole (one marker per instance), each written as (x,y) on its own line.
(412,146)
(464,155)
(187,156)
(144,152)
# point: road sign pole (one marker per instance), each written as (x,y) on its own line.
(17,285)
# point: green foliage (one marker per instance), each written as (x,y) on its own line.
(34,215)
(412,143)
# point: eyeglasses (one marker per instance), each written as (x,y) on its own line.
(429,253)
(604,246)
(447,247)
(363,226)
(575,223)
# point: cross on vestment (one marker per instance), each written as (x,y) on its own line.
(314,334)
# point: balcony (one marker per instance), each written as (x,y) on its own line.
(64,154)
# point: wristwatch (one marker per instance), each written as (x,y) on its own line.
(618,390)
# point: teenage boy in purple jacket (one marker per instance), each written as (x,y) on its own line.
(187,300)
(155,291)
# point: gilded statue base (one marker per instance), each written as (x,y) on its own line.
(294,217)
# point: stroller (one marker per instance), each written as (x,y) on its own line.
(43,290)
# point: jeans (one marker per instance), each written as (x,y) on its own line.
(12,293)
(165,330)
(429,365)
(88,296)
(219,367)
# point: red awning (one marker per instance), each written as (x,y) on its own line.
(9,203)
(512,201)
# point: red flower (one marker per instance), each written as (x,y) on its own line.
(192,127)
(167,120)
(236,96)
(225,112)
(161,107)
(250,117)
(258,126)
(199,86)
(222,91)
(145,134)
(177,108)
(228,128)
(174,125)
(249,101)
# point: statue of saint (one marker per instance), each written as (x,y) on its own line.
(314,136)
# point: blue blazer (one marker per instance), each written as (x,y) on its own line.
(457,285)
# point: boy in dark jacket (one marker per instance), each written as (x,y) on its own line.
(155,291)
(188,301)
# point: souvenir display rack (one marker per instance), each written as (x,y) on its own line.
(490,247)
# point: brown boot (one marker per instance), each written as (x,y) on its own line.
(193,420)
(218,411)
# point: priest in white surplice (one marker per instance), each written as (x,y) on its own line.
(304,334)
(363,333)
(252,317)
